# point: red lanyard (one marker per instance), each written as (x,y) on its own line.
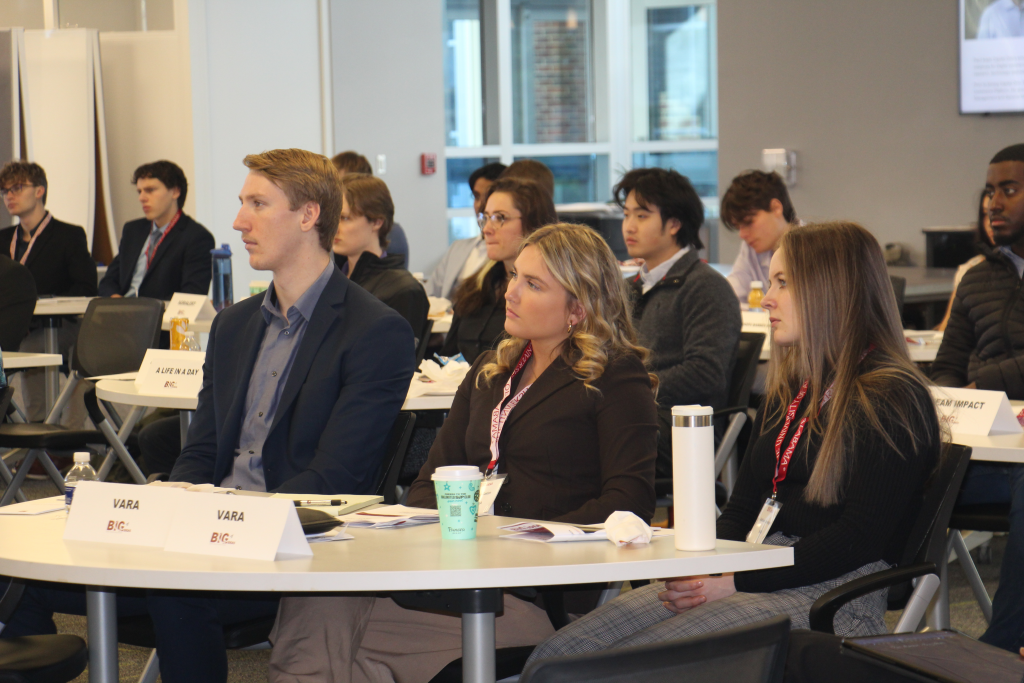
(151,254)
(782,459)
(35,235)
(499,414)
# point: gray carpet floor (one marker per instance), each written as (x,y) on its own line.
(251,666)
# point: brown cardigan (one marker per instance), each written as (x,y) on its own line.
(571,454)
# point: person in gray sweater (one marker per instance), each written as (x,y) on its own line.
(685,312)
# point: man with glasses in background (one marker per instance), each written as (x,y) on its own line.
(57,255)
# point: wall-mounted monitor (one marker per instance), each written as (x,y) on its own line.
(991,56)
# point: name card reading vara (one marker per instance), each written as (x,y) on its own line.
(247,527)
(122,513)
(192,306)
(975,411)
(171,373)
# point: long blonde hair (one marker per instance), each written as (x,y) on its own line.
(842,293)
(580,260)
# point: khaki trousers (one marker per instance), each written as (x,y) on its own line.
(364,639)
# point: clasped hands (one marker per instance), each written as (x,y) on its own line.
(686,592)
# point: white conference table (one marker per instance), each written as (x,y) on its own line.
(442,324)
(18,360)
(412,559)
(1008,448)
(52,310)
(919,353)
(201,326)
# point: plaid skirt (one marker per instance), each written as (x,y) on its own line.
(639,617)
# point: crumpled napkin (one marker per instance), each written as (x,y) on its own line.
(624,528)
(438,306)
(451,373)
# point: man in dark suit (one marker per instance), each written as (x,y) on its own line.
(300,386)
(165,252)
(57,256)
(17,301)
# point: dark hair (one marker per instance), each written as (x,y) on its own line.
(980,236)
(303,177)
(753,191)
(368,196)
(168,173)
(671,194)
(531,169)
(15,172)
(489,172)
(352,162)
(488,283)
(1011,153)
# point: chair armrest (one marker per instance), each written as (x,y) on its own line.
(723,412)
(824,609)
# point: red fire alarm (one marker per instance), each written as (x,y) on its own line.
(428,164)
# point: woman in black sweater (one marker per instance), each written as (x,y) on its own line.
(846,403)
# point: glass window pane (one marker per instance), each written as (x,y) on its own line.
(700,167)
(460,194)
(582,178)
(552,71)
(117,15)
(462,227)
(463,85)
(673,68)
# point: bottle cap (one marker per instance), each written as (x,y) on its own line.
(83,457)
(692,410)
(756,284)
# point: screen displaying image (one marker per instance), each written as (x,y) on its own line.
(991,56)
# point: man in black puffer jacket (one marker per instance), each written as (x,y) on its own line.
(983,348)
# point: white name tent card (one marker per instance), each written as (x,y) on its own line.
(975,411)
(192,306)
(171,373)
(246,527)
(127,514)
(757,321)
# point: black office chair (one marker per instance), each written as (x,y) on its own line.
(113,338)
(37,659)
(899,288)
(744,370)
(18,306)
(747,654)
(923,555)
(423,342)
(398,446)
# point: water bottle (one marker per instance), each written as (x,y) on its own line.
(189,343)
(756,294)
(222,294)
(82,471)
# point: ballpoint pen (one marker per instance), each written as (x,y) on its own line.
(308,503)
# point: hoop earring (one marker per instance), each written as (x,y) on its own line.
(570,329)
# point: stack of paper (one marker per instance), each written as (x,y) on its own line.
(549,532)
(34,507)
(390,517)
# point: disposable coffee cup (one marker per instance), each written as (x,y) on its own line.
(458,497)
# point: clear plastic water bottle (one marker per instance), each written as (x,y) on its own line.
(82,471)
(190,343)
(221,264)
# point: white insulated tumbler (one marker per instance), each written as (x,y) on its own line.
(693,477)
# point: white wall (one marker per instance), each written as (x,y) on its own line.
(389,99)
(866,92)
(255,70)
(148,102)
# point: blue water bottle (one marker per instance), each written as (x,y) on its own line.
(222,293)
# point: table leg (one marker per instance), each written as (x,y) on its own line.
(101,607)
(478,648)
(186,419)
(50,345)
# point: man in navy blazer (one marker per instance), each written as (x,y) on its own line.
(165,252)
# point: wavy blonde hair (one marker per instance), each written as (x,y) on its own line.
(842,293)
(580,260)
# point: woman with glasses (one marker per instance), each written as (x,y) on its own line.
(512,211)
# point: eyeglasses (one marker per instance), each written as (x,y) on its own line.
(482,219)
(14,189)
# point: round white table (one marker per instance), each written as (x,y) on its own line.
(125,391)
(410,559)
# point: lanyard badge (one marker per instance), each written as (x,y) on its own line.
(499,415)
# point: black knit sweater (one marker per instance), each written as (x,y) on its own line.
(880,499)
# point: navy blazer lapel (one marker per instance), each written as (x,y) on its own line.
(171,238)
(551,380)
(324,315)
(40,245)
(249,348)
